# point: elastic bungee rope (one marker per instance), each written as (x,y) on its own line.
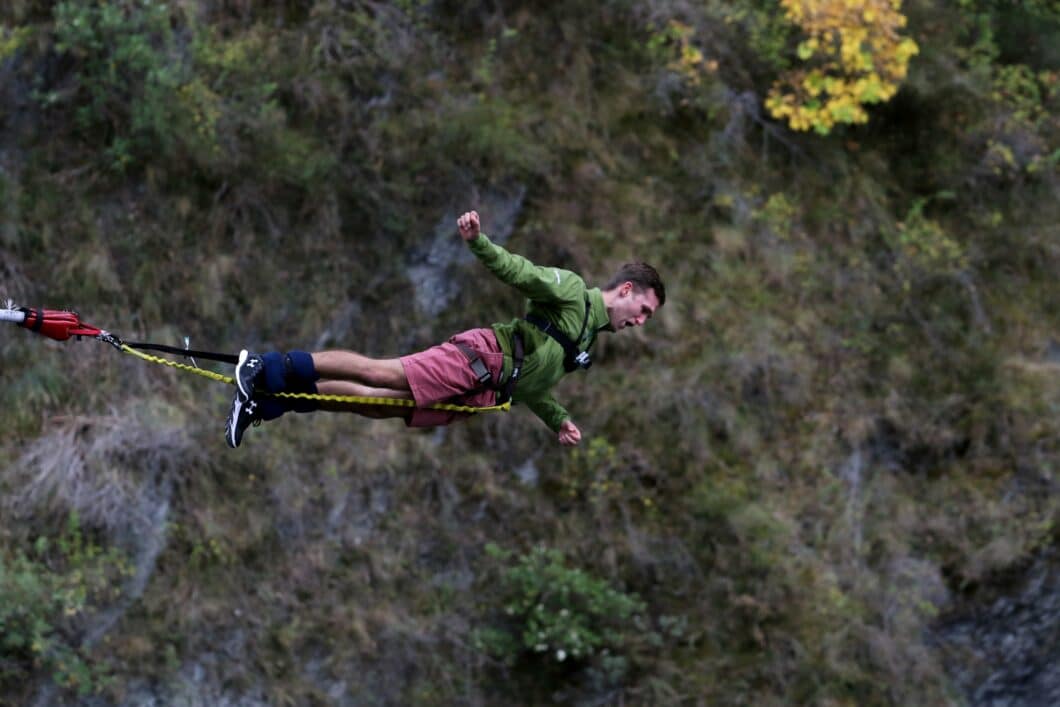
(358,399)
(62,324)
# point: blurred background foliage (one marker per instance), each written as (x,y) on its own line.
(841,429)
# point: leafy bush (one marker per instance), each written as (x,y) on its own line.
(158,89)
(557,614)
(236,116)
(854,55)
(43,595)
(674,45)
(922,249)
(126,72)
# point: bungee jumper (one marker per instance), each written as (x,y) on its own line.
(475,371)
(512,362)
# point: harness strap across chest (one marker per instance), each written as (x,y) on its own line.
(573,356)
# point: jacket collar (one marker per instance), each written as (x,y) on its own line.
(598,319)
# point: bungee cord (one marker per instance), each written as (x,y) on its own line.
(61,325)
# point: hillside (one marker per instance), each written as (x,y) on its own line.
(825,473)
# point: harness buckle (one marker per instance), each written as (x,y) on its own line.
(476,364)
(481,371)
(583,360)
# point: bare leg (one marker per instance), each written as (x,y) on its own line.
(377,373)
(375,411)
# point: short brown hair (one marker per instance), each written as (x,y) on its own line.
(643,277)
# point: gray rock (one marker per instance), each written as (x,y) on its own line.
(1007,653)
(435,270)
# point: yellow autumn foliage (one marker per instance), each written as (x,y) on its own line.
(852,55)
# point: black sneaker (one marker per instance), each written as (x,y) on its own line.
(243,414)
(248,370)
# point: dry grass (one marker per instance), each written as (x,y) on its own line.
(109,469)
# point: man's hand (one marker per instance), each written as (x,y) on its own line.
(569,434)
(468,226)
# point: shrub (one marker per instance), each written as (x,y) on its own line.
(158,89)
(923,249)
(852,56)
(674,45)
(125,73)
(557,615)
(43,596)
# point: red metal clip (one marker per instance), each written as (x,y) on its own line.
(57,324)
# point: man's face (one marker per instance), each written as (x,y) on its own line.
(632,307)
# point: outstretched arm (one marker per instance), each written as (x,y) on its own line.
(537,283)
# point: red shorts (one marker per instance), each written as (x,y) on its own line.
(441,374)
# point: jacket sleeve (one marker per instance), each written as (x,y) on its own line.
(551,413)
(536,283)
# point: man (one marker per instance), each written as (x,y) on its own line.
(519,360)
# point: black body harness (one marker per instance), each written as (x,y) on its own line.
(482,371)
(573,357)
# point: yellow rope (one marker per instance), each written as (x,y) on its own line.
(358,399)
(175,364)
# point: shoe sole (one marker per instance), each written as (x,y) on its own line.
(232,426)
(244,394)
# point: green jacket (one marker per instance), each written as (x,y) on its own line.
(557,295)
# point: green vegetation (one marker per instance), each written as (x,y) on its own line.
(844,424)
(44,596)
(556,613)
